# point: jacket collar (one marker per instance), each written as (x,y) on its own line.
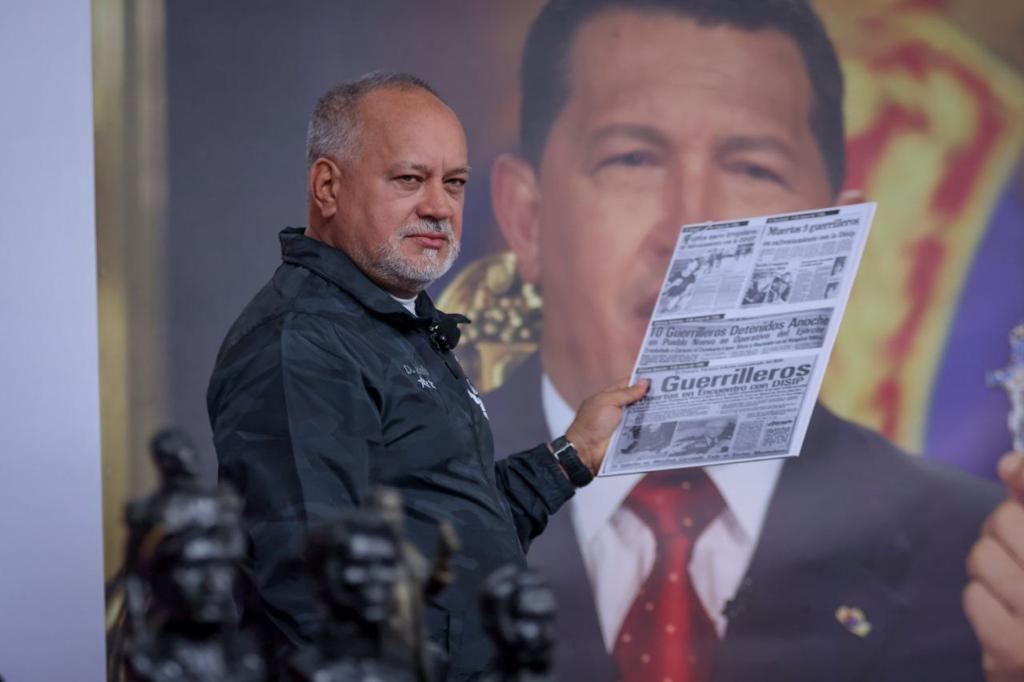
(336,267)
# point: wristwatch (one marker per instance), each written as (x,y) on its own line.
(565,452)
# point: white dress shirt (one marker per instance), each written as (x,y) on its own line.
(619,549)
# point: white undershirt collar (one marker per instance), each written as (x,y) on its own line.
(407,303)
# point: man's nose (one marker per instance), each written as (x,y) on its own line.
(435,201)
(686,198)
(694,192)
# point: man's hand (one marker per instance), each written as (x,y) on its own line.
(994,598)
(597,419)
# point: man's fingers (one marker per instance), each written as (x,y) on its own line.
(995,671)
(1005,525)
(994,599)
(991,565)
(999,633)
(1011,472)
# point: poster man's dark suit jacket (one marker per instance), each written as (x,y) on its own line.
(853,521)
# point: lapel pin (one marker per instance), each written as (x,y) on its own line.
(854,620)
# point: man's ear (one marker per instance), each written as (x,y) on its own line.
(515,197)
(324,176)
(851,196)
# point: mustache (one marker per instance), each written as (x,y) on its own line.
(442,227)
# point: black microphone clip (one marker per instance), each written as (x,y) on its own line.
(444,331)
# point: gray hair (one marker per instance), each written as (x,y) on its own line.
(334,128)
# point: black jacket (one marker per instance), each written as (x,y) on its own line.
(325,386)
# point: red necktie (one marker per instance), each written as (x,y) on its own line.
(667,636)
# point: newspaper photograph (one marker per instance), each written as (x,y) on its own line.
(739,340)
(710,271)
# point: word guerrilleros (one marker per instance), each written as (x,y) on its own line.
(740,375)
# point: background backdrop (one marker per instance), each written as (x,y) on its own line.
(935,119)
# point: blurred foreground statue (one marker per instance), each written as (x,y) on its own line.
(184,546)
(355,563)
(373,584)
(519,614)
(420,580)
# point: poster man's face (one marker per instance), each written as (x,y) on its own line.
(666,123)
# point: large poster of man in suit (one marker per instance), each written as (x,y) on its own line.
(659,114)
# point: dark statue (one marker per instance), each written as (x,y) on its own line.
(373,584)
(355,563)
(185,543)
(184,546)
(519,615)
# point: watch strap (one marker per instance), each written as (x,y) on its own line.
(565,452)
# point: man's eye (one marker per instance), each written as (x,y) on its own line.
(408,179)
(634,159)
(456,182)
(758,172)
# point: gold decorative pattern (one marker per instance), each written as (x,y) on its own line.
(506,315)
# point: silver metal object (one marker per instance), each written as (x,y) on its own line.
(1011,379)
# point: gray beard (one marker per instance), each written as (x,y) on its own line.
(393,266)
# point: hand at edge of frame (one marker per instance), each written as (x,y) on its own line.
(994,598)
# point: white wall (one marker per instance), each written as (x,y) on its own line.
(51,577)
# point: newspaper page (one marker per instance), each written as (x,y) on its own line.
(739,340)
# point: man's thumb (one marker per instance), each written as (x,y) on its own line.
(1011,471)
(640,388)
